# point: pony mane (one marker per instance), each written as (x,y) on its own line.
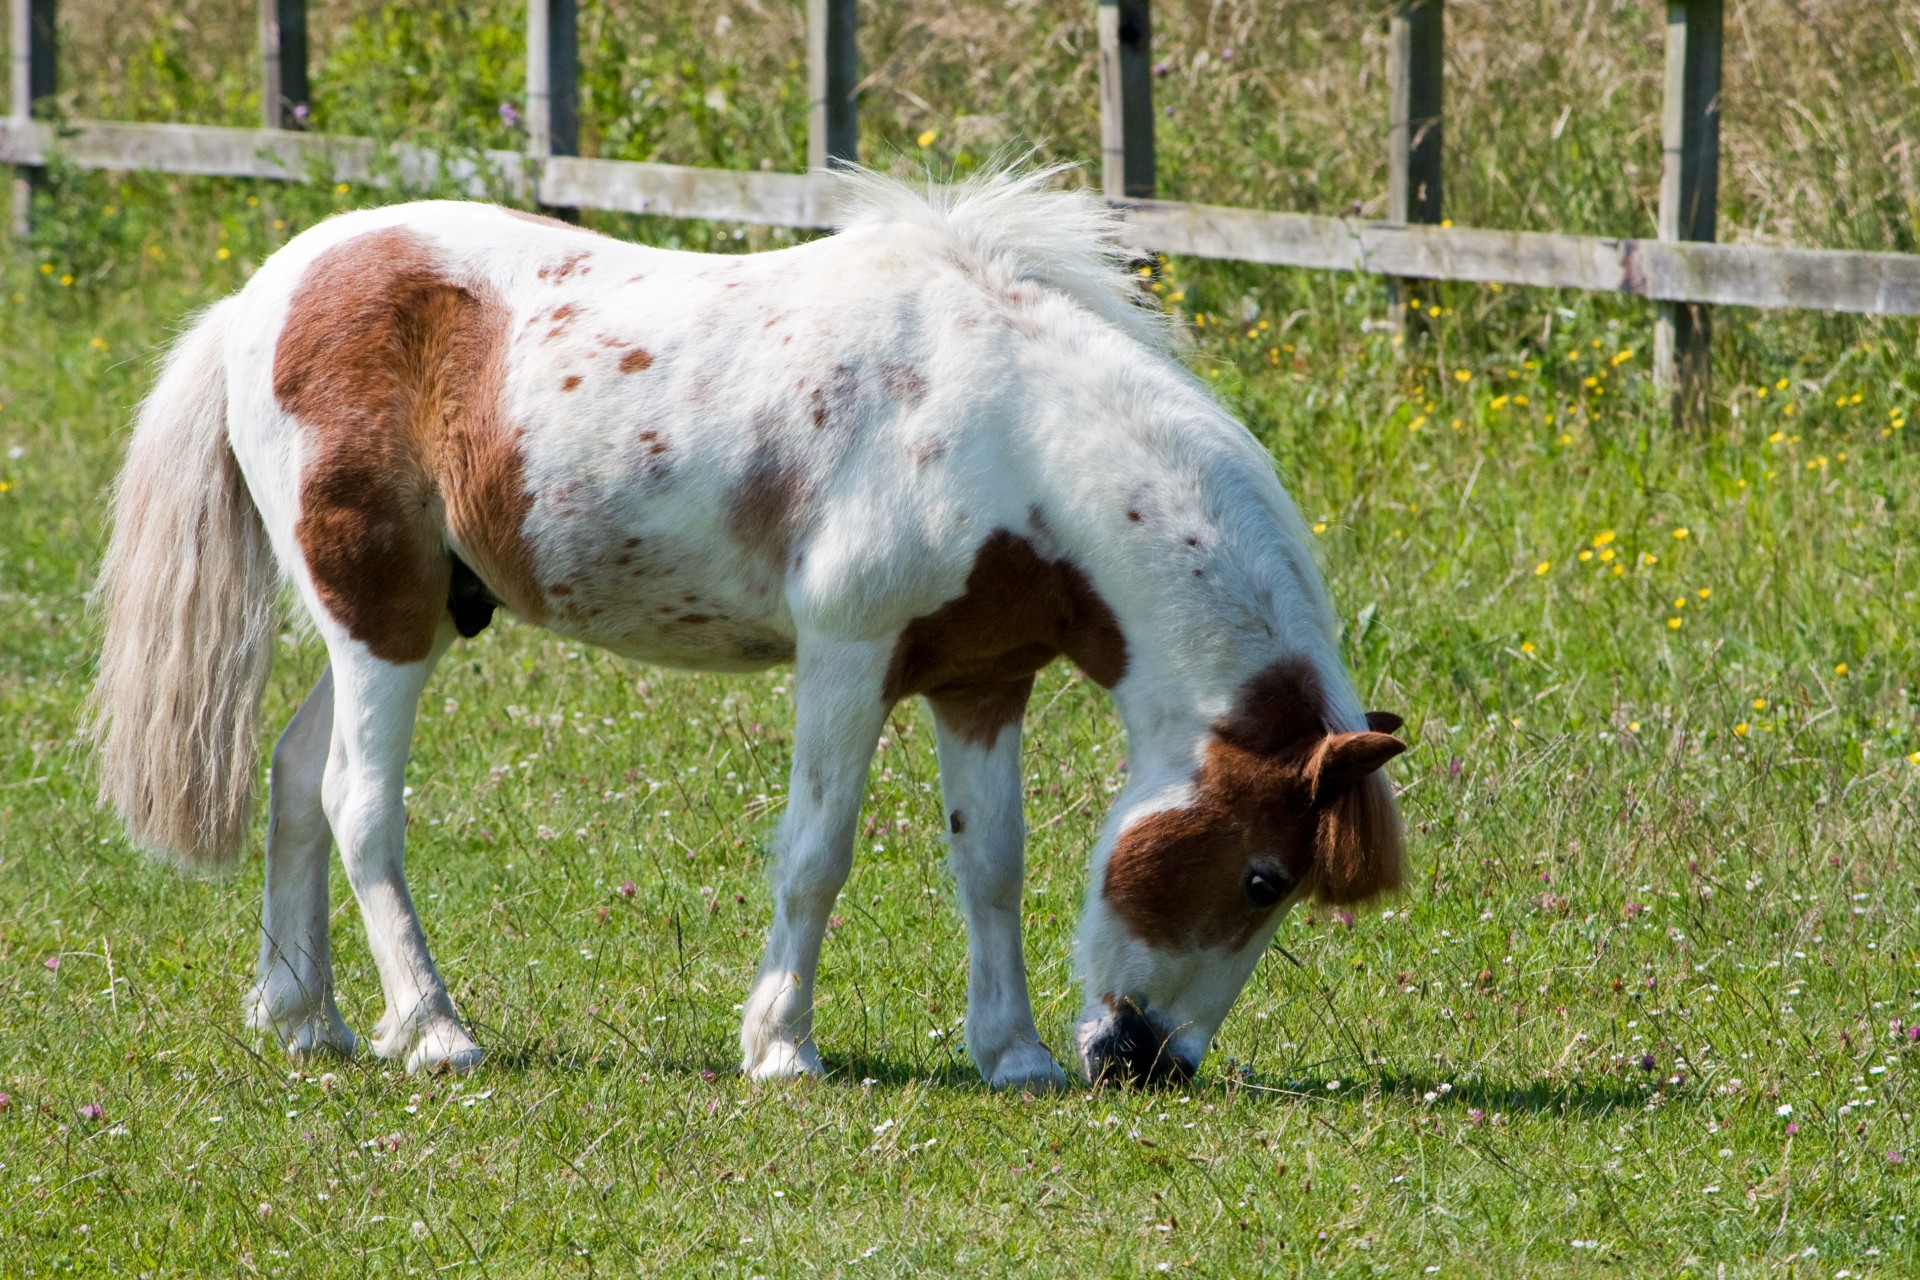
(1014,222)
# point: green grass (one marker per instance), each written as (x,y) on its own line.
(1664,879)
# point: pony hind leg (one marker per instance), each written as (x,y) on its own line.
(375,703)
(840,711)
(293,996)
(977,729)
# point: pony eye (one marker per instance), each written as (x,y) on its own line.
(1264,887)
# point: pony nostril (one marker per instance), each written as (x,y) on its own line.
(1130,1048)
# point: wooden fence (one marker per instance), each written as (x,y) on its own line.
(1682,271)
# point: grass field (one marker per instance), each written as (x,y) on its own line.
(1649,1006)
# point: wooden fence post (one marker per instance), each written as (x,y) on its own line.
(833,76)
(553,84)
(1415,43)
(1689,196)
(283,54)
(1126,100)
(34,79)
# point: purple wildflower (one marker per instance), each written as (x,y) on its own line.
(626,889)
(93,1111)
(1646,1062)
(509,115)
(1793,1127)
(53,964)
(1913,1032)
(300,112)
(1894,1157)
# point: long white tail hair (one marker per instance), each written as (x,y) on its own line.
(186,598)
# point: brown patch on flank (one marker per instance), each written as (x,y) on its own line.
(976,713)
(1275,792)
(395,373)
(1134,516)
(635,360)
(1016,613)
(573,381)
(928,451)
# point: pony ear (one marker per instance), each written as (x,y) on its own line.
(1384,722)
(1342,759)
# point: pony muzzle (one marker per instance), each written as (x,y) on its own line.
(1130,1046)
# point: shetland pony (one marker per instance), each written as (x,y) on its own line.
(923,456)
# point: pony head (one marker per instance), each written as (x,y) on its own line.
(1199,872)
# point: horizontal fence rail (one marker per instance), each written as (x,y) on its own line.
(1663,270)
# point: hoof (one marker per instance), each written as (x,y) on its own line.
(784,1060)
(1027,1066)
(444,1048)
(308,1034)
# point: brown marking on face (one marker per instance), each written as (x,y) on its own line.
(395,373)
(928,451)
(571,265)
(1016,613)
(572,382)
(635,360)
(1276,794)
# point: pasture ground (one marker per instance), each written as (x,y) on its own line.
(1647,1007)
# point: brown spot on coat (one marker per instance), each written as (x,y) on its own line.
(573,264)
(572,382)
(1275,792)
(635,360)
(928,451)
(903,382)
(395,371)
(1017,612)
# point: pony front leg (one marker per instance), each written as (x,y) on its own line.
(978,732)
(840,710)
(293,997)
(375,705)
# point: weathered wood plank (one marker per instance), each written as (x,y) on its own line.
(1126,99)
(1717,274)
(1689,196)
(833,81)
(1679,271)
(285,155)
(678,191)
(283,56)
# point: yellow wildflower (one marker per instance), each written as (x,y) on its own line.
(1673,624)
(1541,568)
(1740,730)
(1680,533)
(1840,669)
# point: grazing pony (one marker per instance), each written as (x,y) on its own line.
(924,456)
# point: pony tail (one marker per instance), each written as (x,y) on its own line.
(186,597)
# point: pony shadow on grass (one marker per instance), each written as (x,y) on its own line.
(1444,1094)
